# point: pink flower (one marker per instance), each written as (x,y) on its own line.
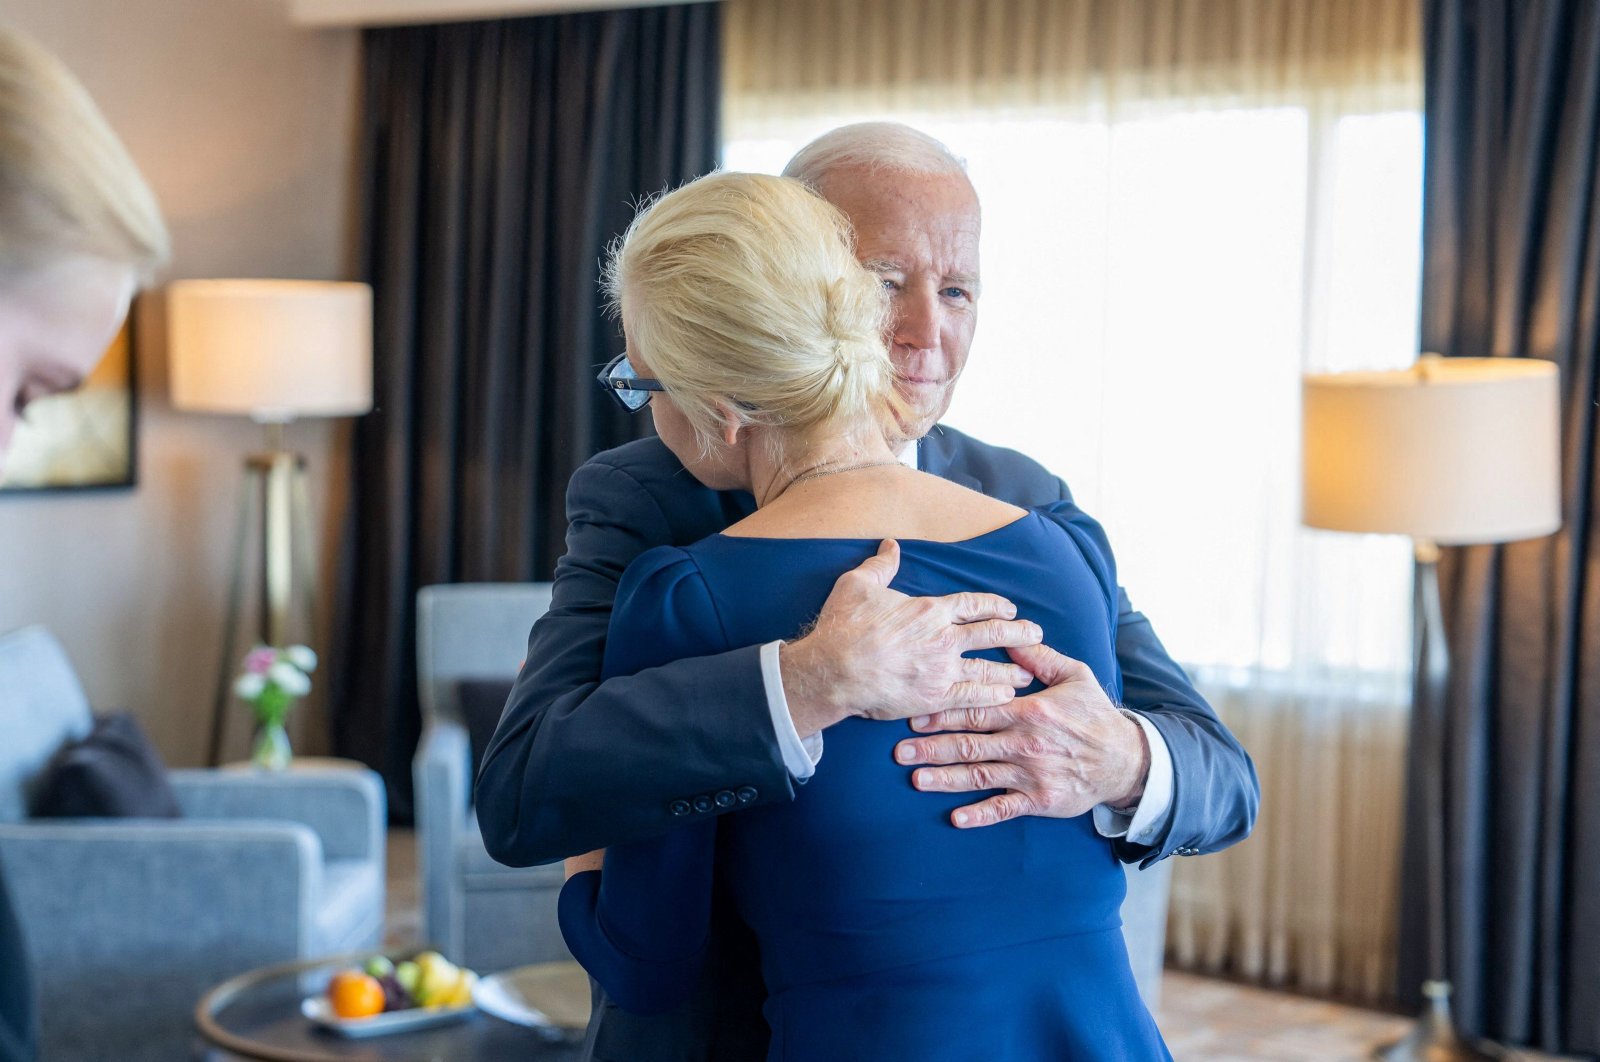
(260,660)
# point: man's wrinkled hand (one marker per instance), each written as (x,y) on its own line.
(1056,753)
(878,653)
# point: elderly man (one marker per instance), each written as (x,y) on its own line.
(578,765)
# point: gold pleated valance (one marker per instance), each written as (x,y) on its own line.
(792,57)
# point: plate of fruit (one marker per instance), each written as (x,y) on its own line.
(384,996)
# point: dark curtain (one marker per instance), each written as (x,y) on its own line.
(1511,268)
(499,159)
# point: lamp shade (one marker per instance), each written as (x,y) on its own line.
(1454,450)
(274,350)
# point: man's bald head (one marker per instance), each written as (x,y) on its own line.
(875,148)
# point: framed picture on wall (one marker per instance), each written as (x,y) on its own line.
(84,439)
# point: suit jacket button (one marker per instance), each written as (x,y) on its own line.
(702,803)
(747,793)
(725,799)
(679,807)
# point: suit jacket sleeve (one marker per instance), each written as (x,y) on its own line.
(577,765)
(1215,790)
(640,926)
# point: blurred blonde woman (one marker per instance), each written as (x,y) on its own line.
(884,932)
(79,230)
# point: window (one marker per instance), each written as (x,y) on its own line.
(1176,273)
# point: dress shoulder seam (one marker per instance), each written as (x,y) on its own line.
(711,598)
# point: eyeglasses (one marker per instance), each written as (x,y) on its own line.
(626,386)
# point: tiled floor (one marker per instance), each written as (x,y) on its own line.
(1204,1020)
(1218,1021)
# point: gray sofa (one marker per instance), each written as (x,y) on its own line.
(127,922)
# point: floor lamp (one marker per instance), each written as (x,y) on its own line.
(275,351)
(1453,451)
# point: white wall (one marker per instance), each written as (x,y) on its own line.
(245,126)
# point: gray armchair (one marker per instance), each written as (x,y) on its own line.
(1144,925)
(476,911)
(127,922)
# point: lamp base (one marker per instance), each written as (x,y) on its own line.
(1434,1037)
(274,501)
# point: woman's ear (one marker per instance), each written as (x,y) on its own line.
(732,423)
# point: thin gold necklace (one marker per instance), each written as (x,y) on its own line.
(819,472)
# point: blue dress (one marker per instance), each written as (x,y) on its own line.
(885,932)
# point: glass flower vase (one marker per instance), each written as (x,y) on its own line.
(272,751)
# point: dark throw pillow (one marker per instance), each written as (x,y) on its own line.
(113,773)
(482,701)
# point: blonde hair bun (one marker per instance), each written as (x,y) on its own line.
(742,291)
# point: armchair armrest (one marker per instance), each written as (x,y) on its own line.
(126,922)
(441,771)
(440,774)
(80,884)
(343,806)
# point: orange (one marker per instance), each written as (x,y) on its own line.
(354,994)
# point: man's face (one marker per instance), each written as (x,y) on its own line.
(55,323)
(920,234)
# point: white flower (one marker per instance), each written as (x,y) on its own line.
(249,686)
(289,679)
(302,657)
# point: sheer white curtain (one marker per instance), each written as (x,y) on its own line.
(1187,203)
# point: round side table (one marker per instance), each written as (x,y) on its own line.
(256,1015)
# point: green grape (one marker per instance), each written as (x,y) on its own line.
(408,974)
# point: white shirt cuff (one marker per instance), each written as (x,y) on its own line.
(1150,817)
(800,755)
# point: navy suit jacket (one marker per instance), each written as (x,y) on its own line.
(576,765)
